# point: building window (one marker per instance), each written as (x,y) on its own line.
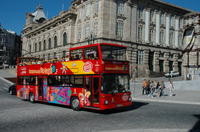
(97,7)
(49,43)
(40,46)
(140,33)
(140,57)
(171,21)
(55,42)
(55,55)
(49,56)
(180,37)
(140,13)
(35,47)
(120,7)
(44,45)
(162,19)
(30,48)
(119,30)
(44,56)
(151,34)
(162,40)
(65,38)
(79,33)
(180,23)
(152,16)
(171,38)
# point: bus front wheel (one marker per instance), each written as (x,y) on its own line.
(31,98)
(75,103)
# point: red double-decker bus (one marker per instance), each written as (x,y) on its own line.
(96,76)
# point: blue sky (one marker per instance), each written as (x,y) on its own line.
(12,16)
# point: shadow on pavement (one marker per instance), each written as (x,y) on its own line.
(135,106)
(196,127)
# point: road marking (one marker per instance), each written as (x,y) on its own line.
(166,101)
(147,130)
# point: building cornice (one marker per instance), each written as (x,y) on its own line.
(62,18)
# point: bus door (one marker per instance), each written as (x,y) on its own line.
(40,88)
(92,85)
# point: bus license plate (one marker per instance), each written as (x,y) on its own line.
(119,105)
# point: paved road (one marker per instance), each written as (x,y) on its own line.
(22,116)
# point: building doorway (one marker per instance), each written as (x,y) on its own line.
(151,58)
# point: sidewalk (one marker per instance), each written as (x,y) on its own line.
(181,97)
(8,73)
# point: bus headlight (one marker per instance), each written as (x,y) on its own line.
(106,102)
(129,99)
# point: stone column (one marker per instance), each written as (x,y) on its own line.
(147,20)
(133,63)
(58,34)
(167,29)
(176,31)
(146,60)
(156,67)
(157,27)
(128,23)
(166,62)
(133,23)
(175,63)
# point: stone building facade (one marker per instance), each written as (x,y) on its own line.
(191,54)
(9,47)
(152,30)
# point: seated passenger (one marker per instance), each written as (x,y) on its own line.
(77,57)
(109,57)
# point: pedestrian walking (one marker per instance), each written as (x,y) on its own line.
(162,87)
(157,89)
(152,88)
(171,88)
(144,87)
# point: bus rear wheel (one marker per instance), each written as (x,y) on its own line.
(75,103)
(32,98)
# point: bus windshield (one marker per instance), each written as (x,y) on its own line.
(113,53)
(115,83)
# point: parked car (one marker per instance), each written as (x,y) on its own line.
(12,90)
(5,65)
(172,74)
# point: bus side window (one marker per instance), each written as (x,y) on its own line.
(91,53)
(76,54)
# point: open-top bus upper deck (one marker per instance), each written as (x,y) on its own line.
(89,59)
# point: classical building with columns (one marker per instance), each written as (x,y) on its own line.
(152,30)
(191,46)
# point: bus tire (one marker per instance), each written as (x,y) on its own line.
(32,98)
(75,103)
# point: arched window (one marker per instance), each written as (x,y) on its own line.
(65,38)
(49,43)
(44,45)
(35,47)
(29,48)
(40,46)
(55,42)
